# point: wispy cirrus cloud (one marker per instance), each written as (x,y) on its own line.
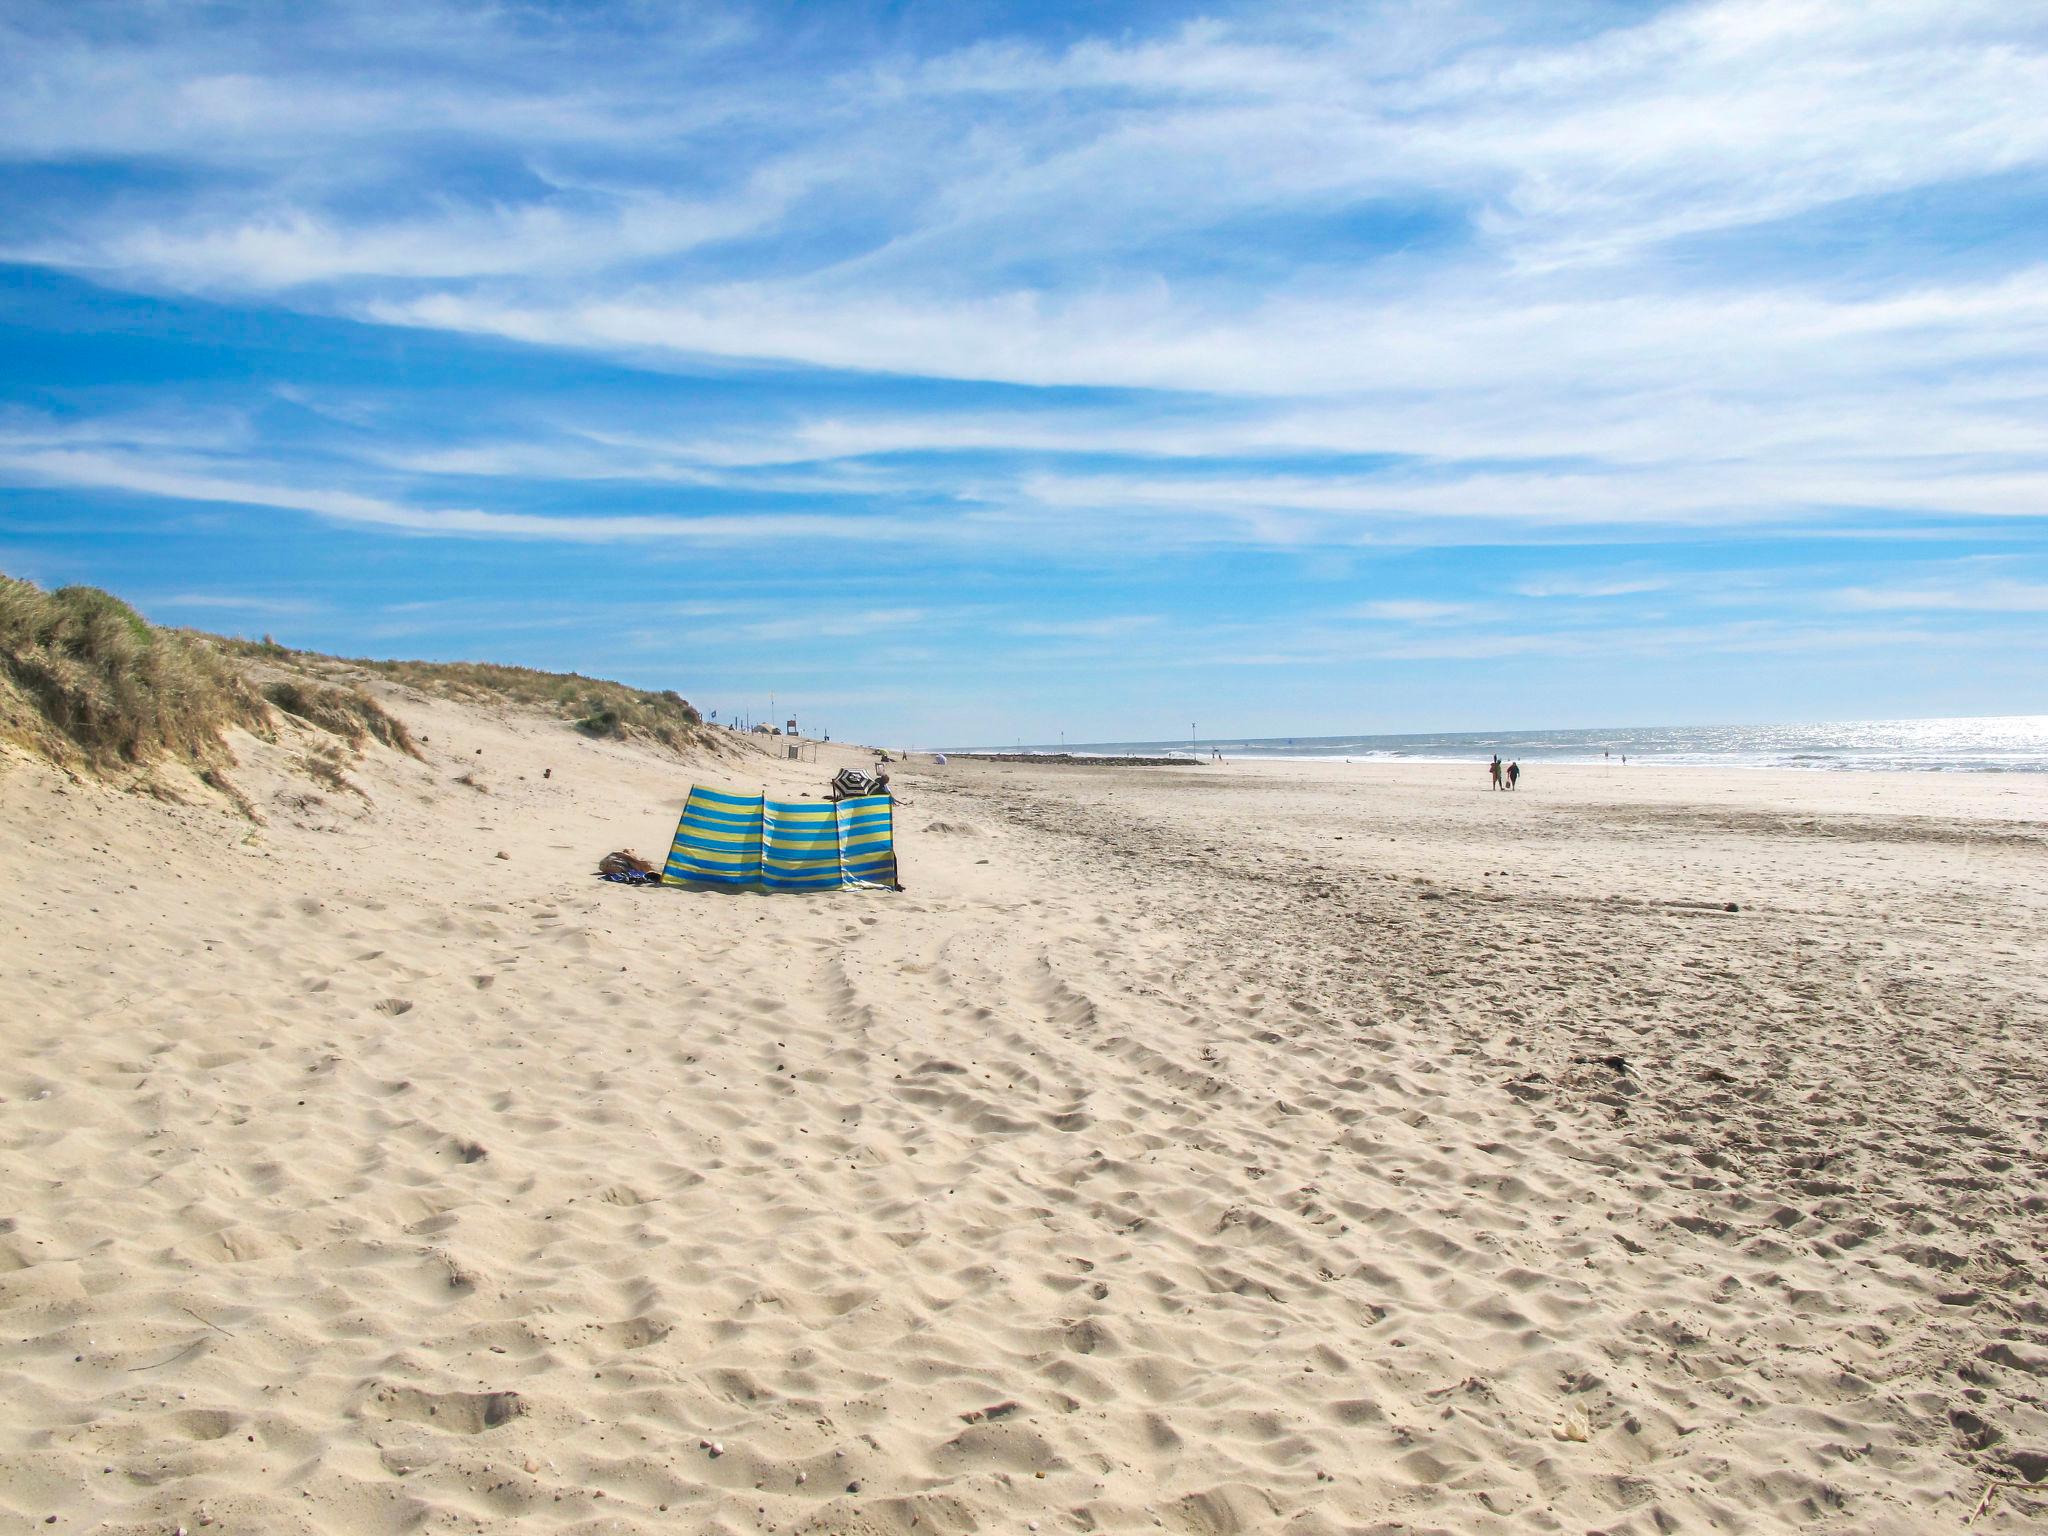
(1591,586)
(1108,626)
(1990,596)
(226,602)
(1494,315)
(1414,611)
(114,472)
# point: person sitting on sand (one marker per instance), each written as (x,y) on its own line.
(1496,770)
(851,784)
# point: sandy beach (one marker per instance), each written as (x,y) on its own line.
(1305,1147)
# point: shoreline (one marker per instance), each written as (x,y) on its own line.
(1365,758)
(1974,743)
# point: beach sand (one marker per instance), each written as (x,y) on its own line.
(1300,1147)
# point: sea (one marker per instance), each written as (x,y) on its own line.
(1971,744)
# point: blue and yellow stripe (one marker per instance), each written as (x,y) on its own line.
(754,843)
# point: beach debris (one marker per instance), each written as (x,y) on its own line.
(1991,1492)
(1612,1063)
(1470,1384)
(395,1006)
(1008,1405)
(503,854)
(1571,1427)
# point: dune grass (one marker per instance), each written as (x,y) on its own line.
(86,681)
(85,678)
(591,704)
(348,713)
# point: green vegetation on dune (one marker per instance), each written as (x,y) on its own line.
(593,705)
(348,713)
(85,678)
(86,681)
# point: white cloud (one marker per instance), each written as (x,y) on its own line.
(1572,149)
(1414,611)
(105,471)
(1047,217)
(1345,507)
(233,602)
(1752,638)
(1113,626)
(1591,586)
(1991,596)
(288,247)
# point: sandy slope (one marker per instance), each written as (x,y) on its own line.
(1229,1124)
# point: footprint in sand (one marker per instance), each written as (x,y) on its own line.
(460,1413)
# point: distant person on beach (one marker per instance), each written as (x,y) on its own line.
(1496,770)
(1514,773)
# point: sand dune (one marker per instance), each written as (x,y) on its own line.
(1311,1148)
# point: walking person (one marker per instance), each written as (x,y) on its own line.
(1496,770)
(1514,774)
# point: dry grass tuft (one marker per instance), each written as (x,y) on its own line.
(222,785)
(86,681)
(348,713)
(84,677)
(327,766)
(592,705)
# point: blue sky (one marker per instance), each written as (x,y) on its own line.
(970,372)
